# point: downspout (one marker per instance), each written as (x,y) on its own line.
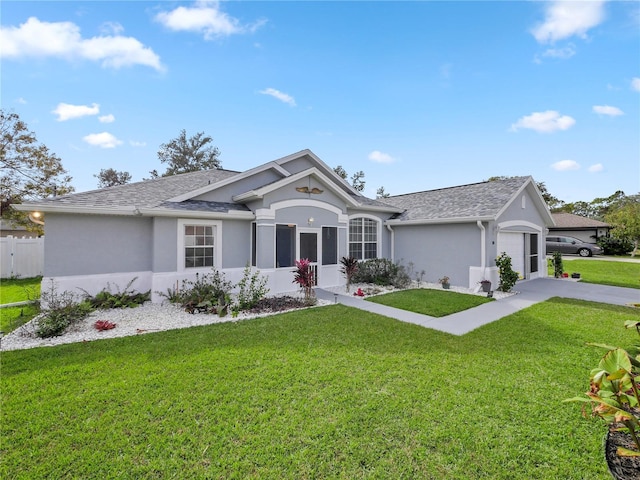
(393,241)
(483,247)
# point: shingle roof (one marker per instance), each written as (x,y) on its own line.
(569,220)
(204,206)
(145,194)
(484,199)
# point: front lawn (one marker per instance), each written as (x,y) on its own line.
(329,392)
(18,290)
(435,303)
(604,272)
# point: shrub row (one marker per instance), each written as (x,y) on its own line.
(61,310)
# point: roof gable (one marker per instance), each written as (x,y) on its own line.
(279,166)
(476,201)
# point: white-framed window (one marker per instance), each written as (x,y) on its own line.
(363,238)
(198,244)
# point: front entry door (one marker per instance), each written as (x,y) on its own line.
(309,250)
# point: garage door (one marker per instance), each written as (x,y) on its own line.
(513,245)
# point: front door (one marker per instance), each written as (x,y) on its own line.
(309,250)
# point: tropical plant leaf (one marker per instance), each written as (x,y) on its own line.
(625,452)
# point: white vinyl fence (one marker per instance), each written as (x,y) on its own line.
(21,257)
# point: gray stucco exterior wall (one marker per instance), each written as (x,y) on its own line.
(516,212)
(236,243)
(87,244)
(165,237)
(439,250)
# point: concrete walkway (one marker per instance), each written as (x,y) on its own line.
(529,293)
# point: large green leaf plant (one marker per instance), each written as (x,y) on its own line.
(614,390)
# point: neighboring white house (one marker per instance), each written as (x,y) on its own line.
(168,229)
(586,229)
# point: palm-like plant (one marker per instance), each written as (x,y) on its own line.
(349,269)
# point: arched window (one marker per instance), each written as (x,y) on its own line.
(363,238)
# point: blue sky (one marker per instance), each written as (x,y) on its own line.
(418,95)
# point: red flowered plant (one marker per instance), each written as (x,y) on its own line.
(359,293)
(304,276)
(102,325)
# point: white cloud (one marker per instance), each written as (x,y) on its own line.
(111,28)
(206,18)
(607,110)
(133,143)
(66,111)
(102,140)
(562,53)
(63,40)
(566,165)
(544,122)
(596,168)
(106,118)
(21,101)
(565,19)
(380,157)
(283,97)
(635,84)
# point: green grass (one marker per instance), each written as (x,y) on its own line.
(329,392)
(604,272)
(18,290)
(435,303)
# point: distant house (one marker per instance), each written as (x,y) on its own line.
(168,229)
(586,229)
(8,228)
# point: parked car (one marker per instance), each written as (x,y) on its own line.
(564,244)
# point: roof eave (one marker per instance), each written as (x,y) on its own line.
(435,221)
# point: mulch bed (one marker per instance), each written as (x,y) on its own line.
(621,468)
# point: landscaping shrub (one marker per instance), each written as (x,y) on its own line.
(128,298)
(615,246)
(304,276)
(381,271)
(348,269)
(558,268)
(60,310)
(251,289)
(204,294)
(508,277)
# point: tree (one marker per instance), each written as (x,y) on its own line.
(191,154)
(626,221)
(552,202)
(29,170)
(357,179)
(380,193)
(110,178)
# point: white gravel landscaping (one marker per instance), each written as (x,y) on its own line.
(154,317)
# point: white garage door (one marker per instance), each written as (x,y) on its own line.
(513,245)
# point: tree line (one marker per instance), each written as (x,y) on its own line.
(31,171)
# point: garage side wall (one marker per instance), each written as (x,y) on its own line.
(439,250)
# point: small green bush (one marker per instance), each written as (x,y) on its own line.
(128,298)
(382,271)
(59,311)
(55,321)
(203,294)
(558,267)
(252,288)
(508,277)
(615,246)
